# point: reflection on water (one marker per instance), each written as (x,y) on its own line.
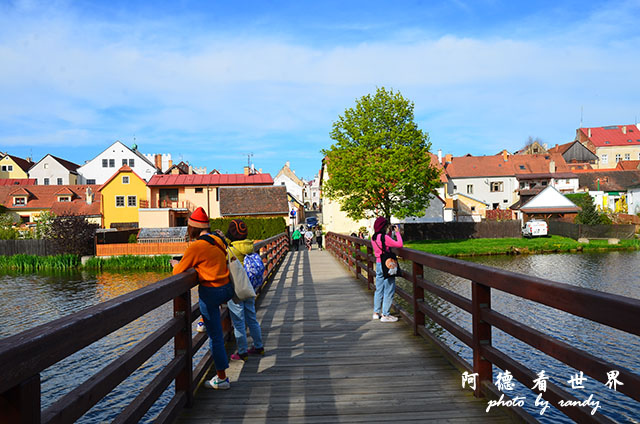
(613,272)
(27,301)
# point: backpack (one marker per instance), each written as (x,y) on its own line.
(255,269)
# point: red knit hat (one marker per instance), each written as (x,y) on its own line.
(379,224)
(199,219)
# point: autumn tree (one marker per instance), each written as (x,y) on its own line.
(380,162)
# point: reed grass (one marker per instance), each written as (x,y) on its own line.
(130,263)
(33,263)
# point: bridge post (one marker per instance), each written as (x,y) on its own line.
(371,268)
(480,299)
(418,297)
(183,345)
(21,403)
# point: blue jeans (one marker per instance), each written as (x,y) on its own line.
(210,300)
(385,289)
(243,314)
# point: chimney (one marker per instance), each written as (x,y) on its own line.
(439,155)
(190,170)
(170,164)
(448,158)
(246,170)
(287,164)
(89,196)
(589,132)
(624,129)
(505,155)
(158,161)
(552,167)
(259,170)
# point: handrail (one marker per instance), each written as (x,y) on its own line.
(25,355)
(609,309)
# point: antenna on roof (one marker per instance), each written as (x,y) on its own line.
(581,110)
(249,156)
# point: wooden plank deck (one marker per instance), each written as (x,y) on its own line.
(328,361)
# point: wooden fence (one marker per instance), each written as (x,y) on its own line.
(461,230)
(25,355)
(27,247)
(118,249)
(576,231)
(615,311)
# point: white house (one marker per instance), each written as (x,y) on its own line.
(312,193)
(102,167)
(52,170)
(434,213)
(633,199)
(288,178)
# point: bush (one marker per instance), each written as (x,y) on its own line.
(259,228)
(73,234)
(589,214)
(133,238)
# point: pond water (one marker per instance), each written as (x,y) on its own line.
(27,301)
(613,272)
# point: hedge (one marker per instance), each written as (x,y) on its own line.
(259,228)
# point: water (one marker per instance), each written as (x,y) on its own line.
(27,301)
(614,272)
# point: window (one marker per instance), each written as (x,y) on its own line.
(124,162)
(45,166)
(19,201)
(91,181)
(119,201)
(605,159)
(618,157)
(198,190)
(132,201)
(522,167)
(505,201)
(627,156)
(496,186)
(522,185)
(59,181)
(7,168)
(469,188)
(473,208)
(544,184)
(496,205)
(125,179)
(131,162)
(64,199)
(46,181)
(105,163)
(567,181)
(112,163)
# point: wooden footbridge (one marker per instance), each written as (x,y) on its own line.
(326,360)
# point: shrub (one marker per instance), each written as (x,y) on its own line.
(259,228)
(133,238)
(73,234)
(589,214)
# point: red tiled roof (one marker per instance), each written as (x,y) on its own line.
(17,181)
(46,197)
(613,135)
(497,166)
(628,165)
(238,201)
(210,179)
(438,165)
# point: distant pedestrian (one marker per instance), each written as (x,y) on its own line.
(243,313)
(385,287)
(319,237)
(295,239)
(308,238)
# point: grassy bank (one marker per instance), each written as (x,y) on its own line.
(33,263)
(505,246)
(130,263)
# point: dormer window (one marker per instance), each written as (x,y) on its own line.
(19,201)
(607,142)
(64,198)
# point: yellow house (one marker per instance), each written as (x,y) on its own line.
(121,197)
(14,167)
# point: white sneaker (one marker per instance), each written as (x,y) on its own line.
(388,318)
(376,315)
(217,383)
(200,328)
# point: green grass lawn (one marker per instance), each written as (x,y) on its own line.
(473,247)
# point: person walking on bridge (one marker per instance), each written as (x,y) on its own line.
(385,287)
(208,256)
(295,239)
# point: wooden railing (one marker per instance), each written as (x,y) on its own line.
(615,311)
(24,356)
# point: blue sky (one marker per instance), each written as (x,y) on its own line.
(211,81)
